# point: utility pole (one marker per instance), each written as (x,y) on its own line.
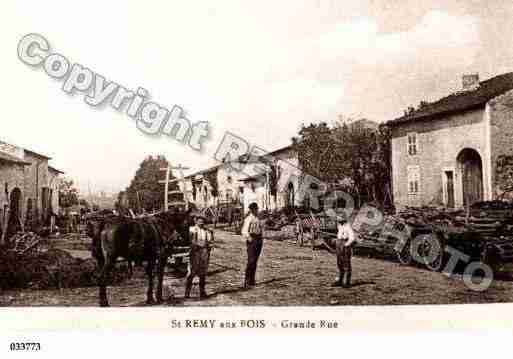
(167,181)
(166,187)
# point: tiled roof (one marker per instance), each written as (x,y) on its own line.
(5,157)
(55,170)
(461,101)
(282,149)
(207,170)
(37,154)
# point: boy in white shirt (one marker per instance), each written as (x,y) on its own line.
(201,242)
(345,239)
(252,234)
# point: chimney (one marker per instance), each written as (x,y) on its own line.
(470,82)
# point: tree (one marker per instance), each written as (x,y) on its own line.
(355,152)
(145,192)
(315,147)
(121,200)
(68,194)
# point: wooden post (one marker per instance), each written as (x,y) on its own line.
(166,189)
(180,180)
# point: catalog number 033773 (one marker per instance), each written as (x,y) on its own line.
(27,346)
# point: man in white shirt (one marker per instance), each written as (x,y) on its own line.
(201,242)
(345,239)
(252,235)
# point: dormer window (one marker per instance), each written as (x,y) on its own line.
(413,147)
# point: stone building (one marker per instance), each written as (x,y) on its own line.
(28,184)
(445,152)
(215,186)
(248,180)
(199,188)
(257,187)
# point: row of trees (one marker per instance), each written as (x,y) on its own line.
(355,155)
(69,197)
(145,193)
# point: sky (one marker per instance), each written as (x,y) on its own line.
(256,69)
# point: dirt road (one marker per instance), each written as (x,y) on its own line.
(287,275)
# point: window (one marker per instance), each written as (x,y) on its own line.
(412,144)
(413,179)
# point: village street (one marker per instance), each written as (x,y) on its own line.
(287,275)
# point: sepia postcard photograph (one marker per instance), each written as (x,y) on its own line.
(283,166)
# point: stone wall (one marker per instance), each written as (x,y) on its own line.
(290,174)
(36,177)
(53,184)
(13,175)
(30,179)
(229,184)
(439,143)
(500,111)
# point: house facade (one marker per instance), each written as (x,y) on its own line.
(248,180)
(29,185)
(445,153)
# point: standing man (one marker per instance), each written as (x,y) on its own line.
(345,239)
(201,242)
(252,234)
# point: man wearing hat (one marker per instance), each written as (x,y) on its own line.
(345,239)
(201,241)
(252,234)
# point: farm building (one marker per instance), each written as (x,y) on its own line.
(29,185)
(244,181)
(445,153)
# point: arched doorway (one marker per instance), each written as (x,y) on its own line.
(290,195)
(471,167)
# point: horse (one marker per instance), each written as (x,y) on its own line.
(94,228)
(148,239)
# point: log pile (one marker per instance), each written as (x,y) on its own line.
(484,220)
(27,263)
(23,243)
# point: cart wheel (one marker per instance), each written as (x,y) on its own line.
(404,255)
(426,249)
(434,243)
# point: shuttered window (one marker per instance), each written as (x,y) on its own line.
(413,179)
(412,144)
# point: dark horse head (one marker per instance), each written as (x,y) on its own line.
(94,227)
(173,227)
